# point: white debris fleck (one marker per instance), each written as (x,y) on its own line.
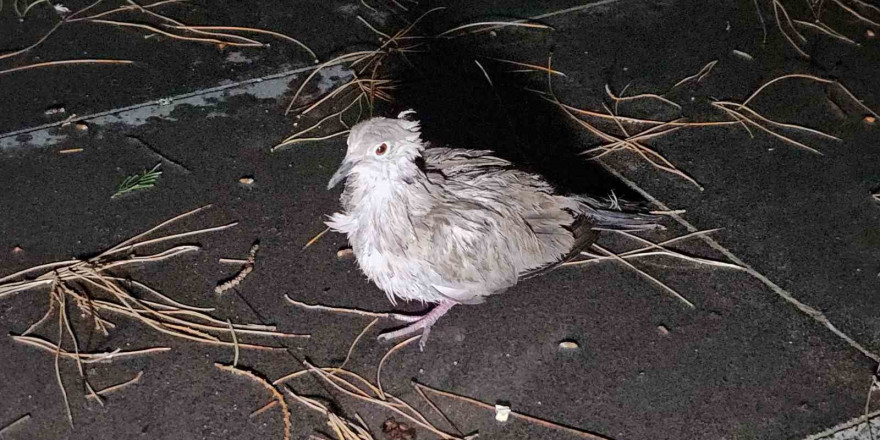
(55,111)
(61,9)
(743,55)
(502,413)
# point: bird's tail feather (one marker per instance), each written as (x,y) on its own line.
(629,220)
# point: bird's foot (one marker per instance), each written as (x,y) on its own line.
(406,318)
(417,323)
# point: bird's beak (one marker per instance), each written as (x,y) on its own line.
(340,174)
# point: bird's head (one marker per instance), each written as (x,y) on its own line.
(382,148)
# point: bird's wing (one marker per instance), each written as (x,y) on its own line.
(452,162)
(541,228)
(478,176)
(584,237)
(465,243)
(478,168)
(482,242)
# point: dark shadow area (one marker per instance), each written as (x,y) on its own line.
(469,101)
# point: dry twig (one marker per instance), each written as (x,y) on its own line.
(739,113)
(672,291)
(119,386)
(371,71)
(285,410)
(788,26)
(521,416)
(324,308)
(384,358)
(344,429)
(316,238)
(149,21)
(89,286)
(63,63)
(385,400)
(652,249)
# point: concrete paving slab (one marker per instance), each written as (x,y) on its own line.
(746,363)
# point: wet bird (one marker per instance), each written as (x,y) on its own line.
(453,226)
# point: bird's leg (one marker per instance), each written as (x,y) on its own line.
(417,323)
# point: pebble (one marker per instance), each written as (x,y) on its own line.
(246,180)
(662,330)
(502,413)
(569,345)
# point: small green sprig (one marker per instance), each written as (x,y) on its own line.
(144,180)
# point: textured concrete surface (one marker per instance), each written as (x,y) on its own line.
(855,429)
(746,363)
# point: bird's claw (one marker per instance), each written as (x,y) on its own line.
(423,339)
(404,318)
(416,323)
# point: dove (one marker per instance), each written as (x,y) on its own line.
(453,226)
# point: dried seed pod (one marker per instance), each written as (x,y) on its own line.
(244,272)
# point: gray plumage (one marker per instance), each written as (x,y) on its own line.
(454,226)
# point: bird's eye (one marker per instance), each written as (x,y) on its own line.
(381,149)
